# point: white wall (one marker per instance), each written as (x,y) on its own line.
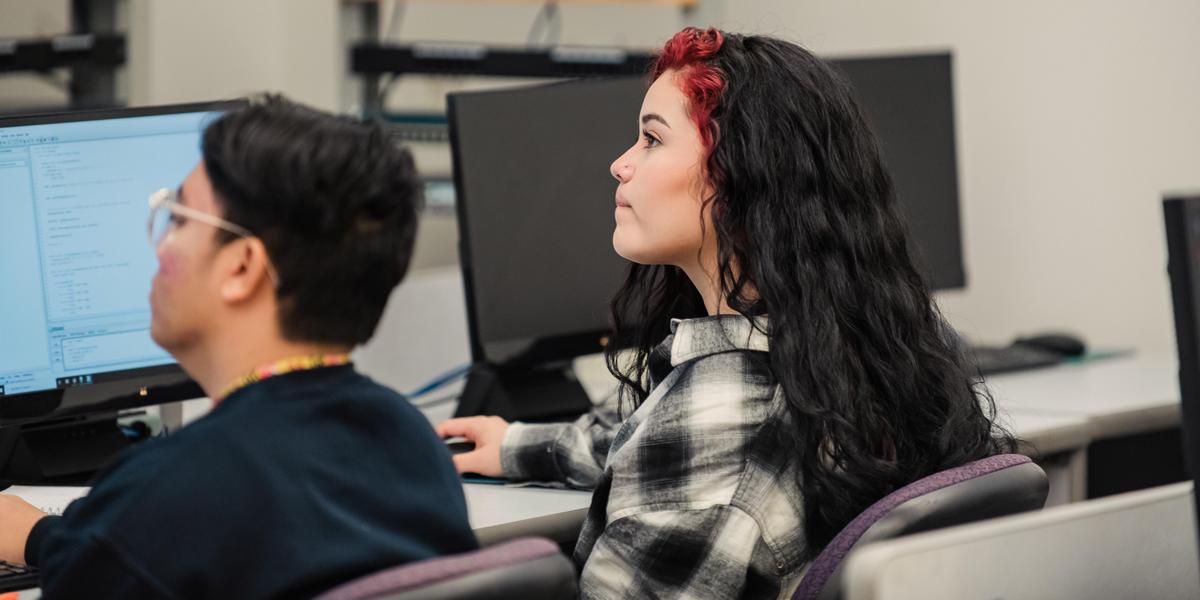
(187,51)
(1073,118)
(32,18)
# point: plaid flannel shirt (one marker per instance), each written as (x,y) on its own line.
(696,493)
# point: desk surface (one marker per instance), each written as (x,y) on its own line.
(1118,396)
(499,512)
(1092,388)
(1048,433)
(492,505)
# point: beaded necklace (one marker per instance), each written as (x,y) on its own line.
(287,365)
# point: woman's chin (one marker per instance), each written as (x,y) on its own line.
(634,249)
(624,248)
(635,257)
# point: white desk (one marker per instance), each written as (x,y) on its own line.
(499,513)
(1045,434)
(1119,396)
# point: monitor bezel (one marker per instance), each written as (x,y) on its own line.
(464,239)
(116,390)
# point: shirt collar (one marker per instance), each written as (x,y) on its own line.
(691,339)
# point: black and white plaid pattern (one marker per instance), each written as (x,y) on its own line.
(696,493)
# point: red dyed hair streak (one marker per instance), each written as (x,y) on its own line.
(689,52)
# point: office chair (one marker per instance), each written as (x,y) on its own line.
(996,486)
(529,567)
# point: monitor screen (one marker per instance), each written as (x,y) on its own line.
(535,197)
(909,101)
(75,262)
(535,207)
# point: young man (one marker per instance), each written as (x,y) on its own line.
(276,257)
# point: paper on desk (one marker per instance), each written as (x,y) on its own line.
(51,499)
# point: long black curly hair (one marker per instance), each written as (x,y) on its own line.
(809,233)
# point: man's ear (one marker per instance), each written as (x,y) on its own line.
(246,268)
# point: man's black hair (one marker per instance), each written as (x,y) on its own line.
(334,200)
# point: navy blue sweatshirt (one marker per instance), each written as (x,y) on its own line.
(287,488)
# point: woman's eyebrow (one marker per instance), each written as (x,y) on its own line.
(646,118)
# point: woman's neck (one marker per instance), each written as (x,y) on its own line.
(707,282)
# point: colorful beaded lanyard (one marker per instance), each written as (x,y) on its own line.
(287,365)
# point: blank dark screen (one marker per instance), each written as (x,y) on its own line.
(532,169)
(909,102)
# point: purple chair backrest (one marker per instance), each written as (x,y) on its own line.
(540,571)
(979,490)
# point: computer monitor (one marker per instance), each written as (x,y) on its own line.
(1182,216)
(909,101)
(76,267)
(534,199)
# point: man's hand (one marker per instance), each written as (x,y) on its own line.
(17,518)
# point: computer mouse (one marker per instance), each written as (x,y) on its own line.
(1058,343)
(459,445)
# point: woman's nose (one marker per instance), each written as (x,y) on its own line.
(621,169)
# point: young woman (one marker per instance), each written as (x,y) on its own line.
(789,366)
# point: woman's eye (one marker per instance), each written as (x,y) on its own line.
(651,141)
(176,220)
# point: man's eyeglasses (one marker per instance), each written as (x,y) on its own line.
(166,212)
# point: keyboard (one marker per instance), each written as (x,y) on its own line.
(1017,357)
(17,577)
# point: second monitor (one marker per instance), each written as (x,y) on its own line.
(535,213)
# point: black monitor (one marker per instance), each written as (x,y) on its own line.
(75,267)
(909,101)
(1182,215)
(534,198)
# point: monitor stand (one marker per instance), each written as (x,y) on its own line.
(523,394)
(67,451)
